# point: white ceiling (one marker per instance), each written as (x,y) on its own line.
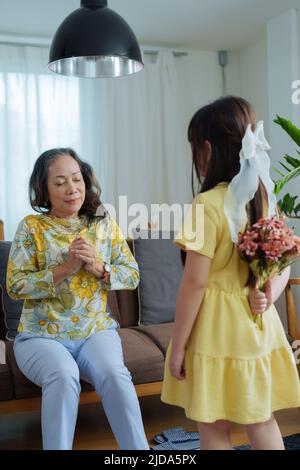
(203,24)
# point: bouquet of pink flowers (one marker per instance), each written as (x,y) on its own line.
(269,246)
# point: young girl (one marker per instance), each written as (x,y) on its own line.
(222,366)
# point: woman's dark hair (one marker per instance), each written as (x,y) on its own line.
(223,123)
(38,191)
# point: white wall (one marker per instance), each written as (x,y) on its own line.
(200,80)
(246,75)
(252,63)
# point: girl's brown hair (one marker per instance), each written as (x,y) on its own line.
(223,123)
(38,191)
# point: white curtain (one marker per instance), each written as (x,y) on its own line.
(37,111)
(129,129)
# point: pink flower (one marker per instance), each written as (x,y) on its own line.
(269,246)
(249,247)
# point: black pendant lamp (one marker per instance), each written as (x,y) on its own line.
(94,41)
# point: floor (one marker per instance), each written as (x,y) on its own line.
(22,430)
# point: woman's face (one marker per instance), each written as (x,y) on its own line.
(66,187)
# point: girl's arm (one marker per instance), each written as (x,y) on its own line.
(276,286)
(189,299)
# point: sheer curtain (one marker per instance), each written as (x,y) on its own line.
(129,129)
(37,111)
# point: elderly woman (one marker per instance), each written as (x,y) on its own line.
(63,262)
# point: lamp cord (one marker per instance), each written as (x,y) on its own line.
(223,61)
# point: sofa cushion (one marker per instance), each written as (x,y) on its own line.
(23,388)
(6,383)
(12,309)
(128,307)
(128,303)
(2,352)
(112,306)
(2,322)
(159,334)
(161,270)
(142,357)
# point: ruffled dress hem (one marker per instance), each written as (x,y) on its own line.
(243,391)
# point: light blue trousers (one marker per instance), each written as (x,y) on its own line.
(57,366)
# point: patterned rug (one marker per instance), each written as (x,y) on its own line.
(179,439)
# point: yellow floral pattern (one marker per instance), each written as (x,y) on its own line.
(76,307)
(84,285)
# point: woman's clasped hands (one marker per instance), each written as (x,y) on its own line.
(82,255)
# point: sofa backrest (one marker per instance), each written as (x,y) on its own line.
(123,304)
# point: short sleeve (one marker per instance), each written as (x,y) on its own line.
(199,229)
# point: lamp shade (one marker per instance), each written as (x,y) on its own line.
(94,41)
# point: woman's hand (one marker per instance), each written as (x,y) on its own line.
(260,301)
(66,269)
(176,364)
(73,264)
(84,252)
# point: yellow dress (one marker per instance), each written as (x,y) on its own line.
(236,368)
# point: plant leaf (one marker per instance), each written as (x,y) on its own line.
(278,187)
(290,176)
(279,172)
(297,209)
(289,128)
(295,162)
(285,167)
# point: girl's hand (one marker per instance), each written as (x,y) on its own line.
(260,301)
(85,252)
(176,365)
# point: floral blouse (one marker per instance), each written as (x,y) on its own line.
(76,307)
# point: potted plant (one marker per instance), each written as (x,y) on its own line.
(290,169)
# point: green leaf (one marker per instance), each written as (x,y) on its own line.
(289,128)
(297,209)
(290,206)
(279,172)
(280,205)
(278,187)
(290,176)
(295,162)
(285,167)
(287,204)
